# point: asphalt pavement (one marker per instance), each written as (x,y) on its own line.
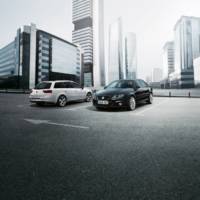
(79,153)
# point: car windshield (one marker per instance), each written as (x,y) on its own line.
(43,85)
(120,84)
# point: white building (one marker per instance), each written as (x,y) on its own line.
(116,69)
(196,64)
(168,59)
(187,48)
(88,20)
(131,56)
(156,75)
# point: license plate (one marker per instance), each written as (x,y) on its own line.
(103,102)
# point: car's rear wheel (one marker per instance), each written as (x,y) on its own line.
(88,97)
(62,101)
(132,103)
(150,99)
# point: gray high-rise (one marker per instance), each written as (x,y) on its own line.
(187,48)
(131,56)
(168,59)
(116,68)
(88,33)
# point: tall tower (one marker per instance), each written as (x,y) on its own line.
(187,48)
(131,56)
(116,64)
(168,59)
(83,35)
(88,33)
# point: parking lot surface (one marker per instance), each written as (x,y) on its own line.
(77,152)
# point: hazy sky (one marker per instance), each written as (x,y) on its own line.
(151,20)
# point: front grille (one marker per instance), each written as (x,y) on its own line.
(104,98)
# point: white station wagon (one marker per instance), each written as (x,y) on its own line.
(59,92)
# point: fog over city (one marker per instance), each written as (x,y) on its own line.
(99,99)
(152,21)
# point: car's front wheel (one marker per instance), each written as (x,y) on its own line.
(62,101)
(88,97)
(132,103)
(150,99)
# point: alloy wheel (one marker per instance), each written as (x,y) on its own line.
(132,103)
(150,101)
(62,101)
(88,97)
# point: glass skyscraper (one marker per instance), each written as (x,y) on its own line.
(187,48)
(131,56)
(8,60)
(116,68)
(9,63)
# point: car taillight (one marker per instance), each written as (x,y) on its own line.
(47,91)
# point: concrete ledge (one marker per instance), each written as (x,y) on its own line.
(175,96)
(15,91)
(190,93)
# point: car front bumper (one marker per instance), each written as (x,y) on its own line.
(122,103)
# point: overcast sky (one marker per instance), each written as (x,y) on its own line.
(151,20)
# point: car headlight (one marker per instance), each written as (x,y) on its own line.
(119,96)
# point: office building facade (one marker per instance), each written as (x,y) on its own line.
(9,62)
(116,69)
(88,33)
(168,63)
(41,56)
(196,64)
(187,48)
(168,59)
(130,56)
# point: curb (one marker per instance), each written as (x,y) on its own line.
(175,96)
(14,92)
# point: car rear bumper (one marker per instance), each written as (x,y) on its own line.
(47,99)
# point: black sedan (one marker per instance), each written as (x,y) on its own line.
(123,93)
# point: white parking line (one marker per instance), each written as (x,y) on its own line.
(20,106)
(38,122)
(77,108)
(140,113)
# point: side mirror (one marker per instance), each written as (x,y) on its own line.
(105,87)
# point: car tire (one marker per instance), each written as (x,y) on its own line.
(150,99)
(131,104)
(62,101)
(88,97)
